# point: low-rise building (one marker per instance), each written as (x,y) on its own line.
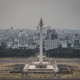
(51,44)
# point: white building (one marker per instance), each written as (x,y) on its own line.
(23,40)
(15,46)
(31,46)
(64,43)
(9,44)
(51,44)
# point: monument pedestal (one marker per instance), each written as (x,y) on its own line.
(41,64)
(40,67)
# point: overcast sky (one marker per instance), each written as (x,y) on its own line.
(61,14)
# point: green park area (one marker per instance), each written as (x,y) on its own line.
(8,64)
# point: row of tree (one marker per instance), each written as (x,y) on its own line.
(17,53)
(63,53)
(57,52)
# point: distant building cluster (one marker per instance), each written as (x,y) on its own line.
(29,39)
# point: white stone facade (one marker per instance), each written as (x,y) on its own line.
(51,44)
(23,40)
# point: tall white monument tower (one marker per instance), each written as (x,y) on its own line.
(41,42)
(40,66)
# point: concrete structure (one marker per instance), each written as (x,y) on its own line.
(41,45)
(15,46)
(9,44)
(51,44)
(64,43)
(51,34)
(31,46)
(40,66)
(23,40)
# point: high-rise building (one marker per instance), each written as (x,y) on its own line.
(51,34)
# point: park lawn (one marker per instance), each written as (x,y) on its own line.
(12,58)
(6,67)
(5,73)
(32,76)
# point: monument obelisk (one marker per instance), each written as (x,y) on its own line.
(40,66)
(41,42)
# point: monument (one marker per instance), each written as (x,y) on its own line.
(41,41)
(40,66)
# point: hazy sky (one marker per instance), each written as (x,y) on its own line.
(27,13)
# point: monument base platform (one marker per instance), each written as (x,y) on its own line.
(40,67)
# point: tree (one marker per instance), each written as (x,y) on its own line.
(3,45)
(68,45)
(60,46)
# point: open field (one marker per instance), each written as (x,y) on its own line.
(25,60)
(6,64)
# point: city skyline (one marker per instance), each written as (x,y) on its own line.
(60,14)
